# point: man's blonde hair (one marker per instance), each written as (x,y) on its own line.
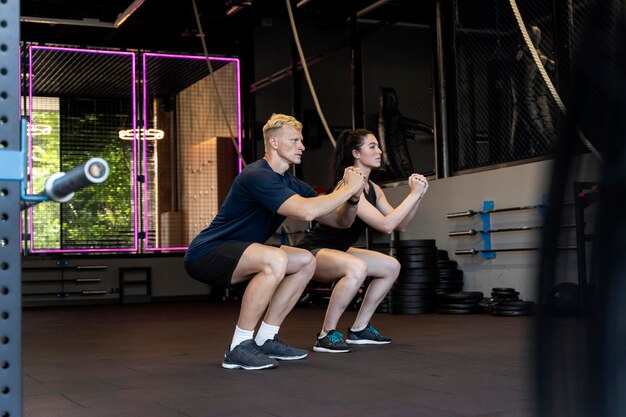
(276,122)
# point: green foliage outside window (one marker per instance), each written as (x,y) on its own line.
(99,216)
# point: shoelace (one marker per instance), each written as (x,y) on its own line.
(279,342)
(335,337)
(373,330)
(250,351)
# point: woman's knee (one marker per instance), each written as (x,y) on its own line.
(394,268)
(356,270)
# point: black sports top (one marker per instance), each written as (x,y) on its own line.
(323,236)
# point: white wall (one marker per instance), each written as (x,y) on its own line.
(516,186)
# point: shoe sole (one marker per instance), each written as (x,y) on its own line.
(247,368)
(289,358)
(321,349)
(366,342)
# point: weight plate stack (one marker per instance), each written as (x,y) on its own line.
(514,308)
(498,296)
(450,277)
(460,303)
(414,290)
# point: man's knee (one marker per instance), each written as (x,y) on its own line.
(275,263)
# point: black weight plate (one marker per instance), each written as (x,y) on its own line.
(408,257)
(510,308)
(445,275)
(517,303)
(442,254)
(449,289)
(459,305)
(412,243)
(415,285)
(396,296)
(450,273)
(411,287)
(446,264)
(416,251)
(465,295)
(503,289)
(444,300)
(447,280)
(506,299)
(408,269)
(446,284)
(505,293)
(416,263)
(453,272)
(511,313)
(449,285)
(417,279)
(405,272)
(488,302)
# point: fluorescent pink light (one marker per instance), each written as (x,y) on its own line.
(133,182)
(145,118)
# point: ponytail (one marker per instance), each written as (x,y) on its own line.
(348,141)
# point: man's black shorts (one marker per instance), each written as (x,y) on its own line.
(216,267)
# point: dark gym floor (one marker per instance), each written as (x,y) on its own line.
(163,360)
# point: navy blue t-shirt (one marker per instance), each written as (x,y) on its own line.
(249,212)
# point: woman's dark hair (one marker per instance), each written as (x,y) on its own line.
(348,141)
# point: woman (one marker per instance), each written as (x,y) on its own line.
(349,266)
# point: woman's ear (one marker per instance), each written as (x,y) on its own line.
(355,154)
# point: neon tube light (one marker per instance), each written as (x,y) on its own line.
(141,134)
(132,80)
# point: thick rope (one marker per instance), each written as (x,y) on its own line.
(307,75)
(544,74)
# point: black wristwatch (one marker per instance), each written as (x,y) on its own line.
(354,203)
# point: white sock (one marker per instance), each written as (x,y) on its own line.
(240,335)
(359,329)
(266,332)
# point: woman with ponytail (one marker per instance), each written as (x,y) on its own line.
(347,266)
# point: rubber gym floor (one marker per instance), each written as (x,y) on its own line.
(164,360)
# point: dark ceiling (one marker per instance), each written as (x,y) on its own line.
(167,25)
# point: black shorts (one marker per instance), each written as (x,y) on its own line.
(314,248)
(216,267)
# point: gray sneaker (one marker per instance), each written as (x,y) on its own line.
(248,356)
(331,343)
(367,336)
(278,349)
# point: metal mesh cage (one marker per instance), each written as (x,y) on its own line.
(504,110)
(398,97)
(77,102)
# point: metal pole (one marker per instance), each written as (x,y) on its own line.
(10,175)
(440,108)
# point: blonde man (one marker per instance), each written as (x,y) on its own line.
(232,250)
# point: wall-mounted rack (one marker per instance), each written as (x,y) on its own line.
(487,252)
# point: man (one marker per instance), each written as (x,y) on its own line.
(232,250)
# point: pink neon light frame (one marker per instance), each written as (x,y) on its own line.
(145,126)
(133,161)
